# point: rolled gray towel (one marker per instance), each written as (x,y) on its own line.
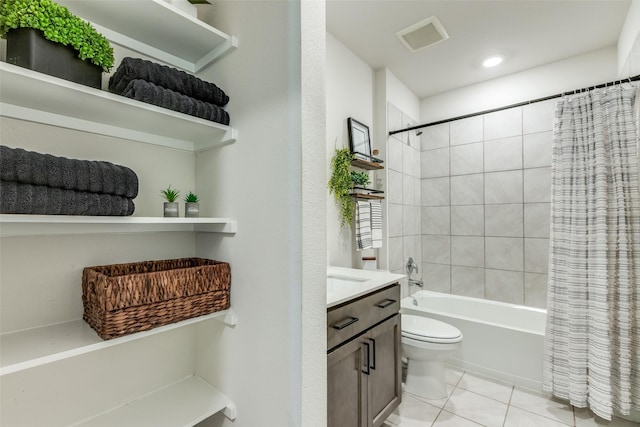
(152,94)
(29,167)
(169,78)
(18,198)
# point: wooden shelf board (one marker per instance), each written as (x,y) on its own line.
(367,196)
(36,97)
(191,44)
(28,225)
(184,403)
(364,164)
(39,346)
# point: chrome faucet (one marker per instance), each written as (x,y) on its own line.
(412,267)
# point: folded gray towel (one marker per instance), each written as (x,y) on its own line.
(152,94)
(18,198)
(29,167)
(169,78)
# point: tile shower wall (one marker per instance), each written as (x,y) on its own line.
(485,196)
(403,192)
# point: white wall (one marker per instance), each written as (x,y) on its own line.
(629,43)
(350,91)
(572,73)
(273,181)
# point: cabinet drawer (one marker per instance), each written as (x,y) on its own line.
(352,318)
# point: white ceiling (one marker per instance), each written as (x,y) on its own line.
(527,33)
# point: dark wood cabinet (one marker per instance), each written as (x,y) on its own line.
(364,370)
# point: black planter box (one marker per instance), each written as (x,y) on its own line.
(28,48)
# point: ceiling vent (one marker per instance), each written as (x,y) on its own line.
(423,34)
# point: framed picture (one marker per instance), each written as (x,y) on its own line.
(359,140)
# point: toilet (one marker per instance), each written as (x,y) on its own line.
(426,343)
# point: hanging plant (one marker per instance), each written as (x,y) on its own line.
(340,184)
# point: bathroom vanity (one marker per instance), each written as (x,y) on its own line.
(363,347)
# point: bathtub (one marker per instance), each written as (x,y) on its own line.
(500,340)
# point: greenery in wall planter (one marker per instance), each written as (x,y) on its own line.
(340,184)
(58,25)
(360,179)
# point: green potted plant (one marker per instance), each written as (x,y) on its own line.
(171,207)
(191,206)
(340,184)
(46,37)
(360,179)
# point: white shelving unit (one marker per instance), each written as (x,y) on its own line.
(38,346)
(184,403)
(29,225)
(142,26)
(36,97)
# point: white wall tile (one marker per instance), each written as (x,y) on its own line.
(467,281)
(436,220)
(537,185)
(535,290)
(467,251)
(505,220)
(435,192)
(395,253)
(537,149)
(417,188)
(395,219)
(436,249)
(505,286)
(435,163)
(466,159)
(394,187)
(417,218)
(436,277)
(503,154)
(467,220)
(408,222)
(504,253)
(538,117)
(408,190)
(394,155)
(466,130)
(503,187)
(408,161)
(502,124)
(435,136)
(537,218)
(467,189)
(536,255)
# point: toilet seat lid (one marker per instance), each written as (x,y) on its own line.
(429,330)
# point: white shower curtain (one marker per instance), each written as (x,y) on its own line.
(592,344)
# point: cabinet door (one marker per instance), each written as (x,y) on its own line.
(347,386)
(385,378)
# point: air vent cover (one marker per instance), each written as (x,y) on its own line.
(423,34)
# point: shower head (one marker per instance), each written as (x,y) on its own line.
(418,132)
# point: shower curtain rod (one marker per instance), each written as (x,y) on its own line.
(519,104)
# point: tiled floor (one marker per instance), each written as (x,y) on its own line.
(477,401)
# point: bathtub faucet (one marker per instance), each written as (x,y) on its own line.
(416,282)
(412,267)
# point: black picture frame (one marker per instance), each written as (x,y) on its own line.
(359,139)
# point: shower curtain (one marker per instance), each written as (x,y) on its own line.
(592,347)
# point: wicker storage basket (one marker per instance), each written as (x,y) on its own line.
(121,299)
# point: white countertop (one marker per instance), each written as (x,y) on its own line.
(344,284)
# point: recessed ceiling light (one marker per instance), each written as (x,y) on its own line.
(492,61)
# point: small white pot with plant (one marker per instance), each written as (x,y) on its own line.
(171,207)
(191,206)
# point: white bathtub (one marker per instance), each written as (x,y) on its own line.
(500,340)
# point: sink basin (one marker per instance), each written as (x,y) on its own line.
(339,283)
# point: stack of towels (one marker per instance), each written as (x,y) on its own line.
(368,224)
(42,184)
(170,88)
